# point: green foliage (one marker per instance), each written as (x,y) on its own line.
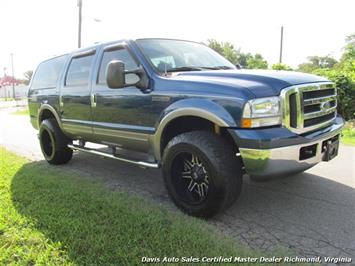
(225,49)
(22,112)
(346,90)
(257,62)
(347,61)
(235,56)
(349,133)
(230,53)
(279,66)
(342,73)
(316,62)
(215,45)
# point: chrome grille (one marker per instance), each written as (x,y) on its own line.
(309,107)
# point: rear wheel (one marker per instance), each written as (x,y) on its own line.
(202,173)
(54,143)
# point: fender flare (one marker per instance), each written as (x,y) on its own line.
(45,107)
(206,109)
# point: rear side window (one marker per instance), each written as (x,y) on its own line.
(122,55)
(79,71)
(48,72)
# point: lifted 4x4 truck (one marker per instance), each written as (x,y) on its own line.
(181,106)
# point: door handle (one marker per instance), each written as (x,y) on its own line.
(93,100)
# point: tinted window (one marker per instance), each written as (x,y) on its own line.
(122,55)
(79,71)
(48,72)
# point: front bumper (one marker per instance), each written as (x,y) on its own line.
(270,155)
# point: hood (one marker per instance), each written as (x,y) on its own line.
(261,83)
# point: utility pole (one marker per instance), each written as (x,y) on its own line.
(13,76)
(281,43)
(80,5)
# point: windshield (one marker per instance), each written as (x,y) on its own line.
(175,55)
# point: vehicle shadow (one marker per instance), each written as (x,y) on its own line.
(309,214)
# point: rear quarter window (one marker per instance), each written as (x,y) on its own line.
(48,73)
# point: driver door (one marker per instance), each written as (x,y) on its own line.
(119,117)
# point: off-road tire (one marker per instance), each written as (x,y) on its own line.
(54,143)
(221,165)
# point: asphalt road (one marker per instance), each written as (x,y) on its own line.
(312,214)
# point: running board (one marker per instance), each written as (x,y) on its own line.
(104,154)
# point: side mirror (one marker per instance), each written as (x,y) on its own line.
(115,74)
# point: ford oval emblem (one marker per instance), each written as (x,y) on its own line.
(325,106)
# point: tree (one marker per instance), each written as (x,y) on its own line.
(346,90)
(347,61)
(257,62)
(230,52)
(215,45)
(279,66)
(342,73)
(243,59)
(235,56)
(28,75)
(225,49)
(316,62)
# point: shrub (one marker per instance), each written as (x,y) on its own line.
(346,90)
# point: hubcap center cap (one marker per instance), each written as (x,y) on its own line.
(198,174)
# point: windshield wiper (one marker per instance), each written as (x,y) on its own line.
(184,68)
(218,67)
(195,68)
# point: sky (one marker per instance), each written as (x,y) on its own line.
(34,30)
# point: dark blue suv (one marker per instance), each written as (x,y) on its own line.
(181,106)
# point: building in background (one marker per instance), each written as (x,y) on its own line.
(6,88)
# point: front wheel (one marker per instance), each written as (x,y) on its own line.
(54,143)
(202,173)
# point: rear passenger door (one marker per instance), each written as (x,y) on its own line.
(75,95)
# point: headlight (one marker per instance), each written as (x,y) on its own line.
(262,112)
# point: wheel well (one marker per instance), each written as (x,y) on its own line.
(45,115)
(191,123)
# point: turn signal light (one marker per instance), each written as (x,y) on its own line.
(246,122)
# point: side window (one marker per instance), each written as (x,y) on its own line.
(48,72)
(122,55)
(79,71)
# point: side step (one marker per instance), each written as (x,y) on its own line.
(108,155)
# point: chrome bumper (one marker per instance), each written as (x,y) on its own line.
(284,160)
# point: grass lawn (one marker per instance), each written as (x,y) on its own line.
(22,112)
(6,99)
(349,133)
(50,218)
